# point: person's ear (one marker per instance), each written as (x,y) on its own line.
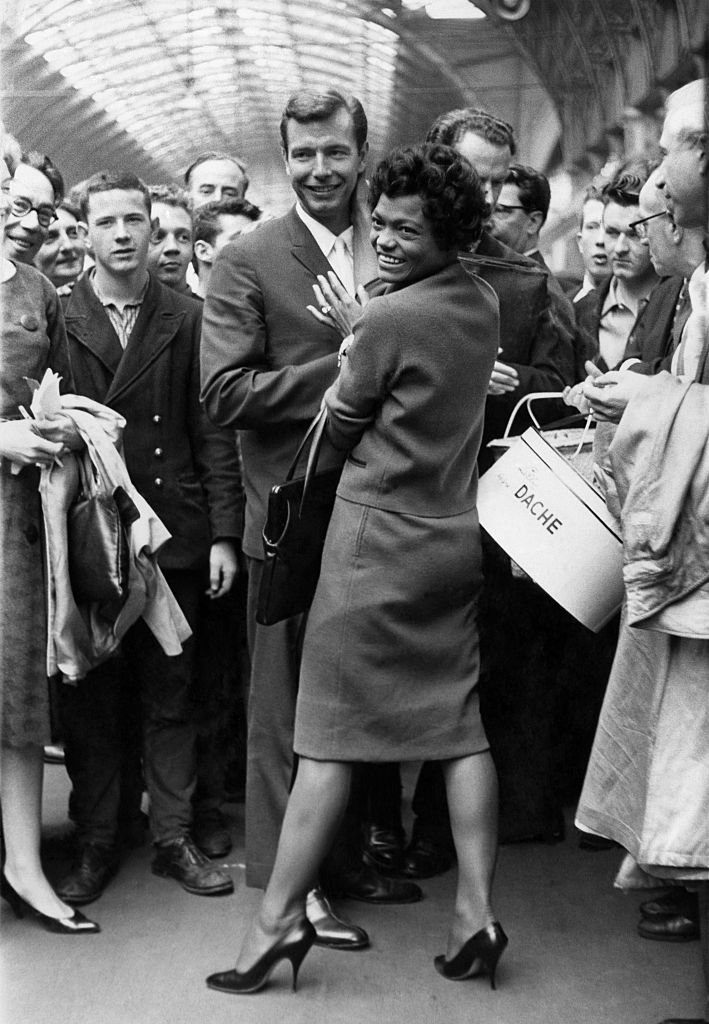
(578,242)
(154,228)
(204,251)
(363,154)
(535,222)
(284,154)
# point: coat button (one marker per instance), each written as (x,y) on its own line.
(158,453)
(157,418)
(29,322)
(158,481)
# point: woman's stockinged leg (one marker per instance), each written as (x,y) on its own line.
(315,807)
(471,786)
(21,770)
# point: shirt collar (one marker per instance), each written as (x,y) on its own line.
(137,301)
(618,296)
(324,238)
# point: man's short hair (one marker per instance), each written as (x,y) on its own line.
(70,207)
(206,218)
(450,128)
(624,187)
(110,181)
(214,154)
(305,106)
(42,163)
(591,193)
(172,195)
(533,188)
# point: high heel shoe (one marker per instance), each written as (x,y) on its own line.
(77,924)
(479,954)
(292,946)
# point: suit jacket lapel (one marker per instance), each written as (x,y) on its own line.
(304,247)
(154,329)
(88,322)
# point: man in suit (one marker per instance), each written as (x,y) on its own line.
(266,363)
(134,345)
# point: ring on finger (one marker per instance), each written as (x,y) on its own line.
(325,310)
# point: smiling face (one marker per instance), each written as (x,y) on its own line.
(24,235)
(170,244)
(324,163)
(403,241)
(61,257)
(119,230)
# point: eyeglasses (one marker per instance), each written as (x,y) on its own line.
(21,207)
(638,226)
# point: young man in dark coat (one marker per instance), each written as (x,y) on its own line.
(134,346)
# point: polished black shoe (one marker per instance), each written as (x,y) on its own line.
(92,870)
(53,753)
(678,901)
(426,858)
(480,954)
(196,874)
(383,848)
(330,930)
(293,946)
(365,884)
(77,924)
(210,833)
(669,929)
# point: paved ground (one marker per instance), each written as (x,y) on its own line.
(573,958)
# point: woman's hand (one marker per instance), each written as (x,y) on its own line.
(61,429)
(335,305)
(21,444)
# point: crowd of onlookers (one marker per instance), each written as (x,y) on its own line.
(216,364)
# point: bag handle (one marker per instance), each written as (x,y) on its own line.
(314,434)
(527,400)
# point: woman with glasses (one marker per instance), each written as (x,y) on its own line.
(32,340)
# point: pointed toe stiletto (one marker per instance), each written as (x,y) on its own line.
(77,924)
(479,955)
(292,946)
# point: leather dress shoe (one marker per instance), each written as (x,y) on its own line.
(425,858)
(383,849)
(89,875)
(678,901)
(669,929)
(365,884)
(211,834)
(330,930)
(53,753)
(196,874)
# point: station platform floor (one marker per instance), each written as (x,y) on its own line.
(574,956)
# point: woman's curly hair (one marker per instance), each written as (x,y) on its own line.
(453,198)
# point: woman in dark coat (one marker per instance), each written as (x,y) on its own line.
(390,659)
(32,340)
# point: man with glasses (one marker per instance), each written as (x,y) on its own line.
(34,191)
(521,211)
(607,315)
(675,252)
